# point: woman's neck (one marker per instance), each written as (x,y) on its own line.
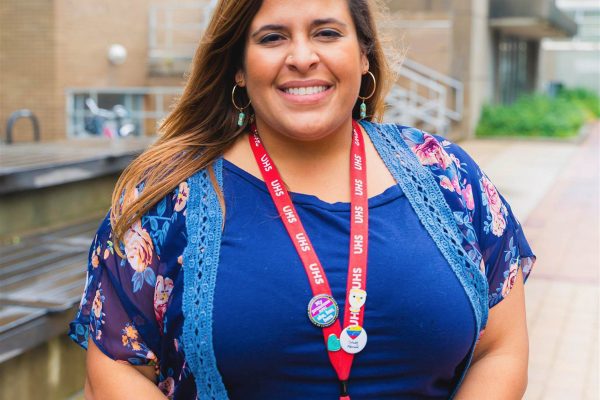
(321,169)
(293,156)
(318,166)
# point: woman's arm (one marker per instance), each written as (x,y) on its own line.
(499,367)
(109,379)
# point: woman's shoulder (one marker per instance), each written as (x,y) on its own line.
(155,228)
(433,151)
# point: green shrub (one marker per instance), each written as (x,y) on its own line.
(585,98)
(540,115)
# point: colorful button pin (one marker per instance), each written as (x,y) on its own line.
(353,339)
(323,310)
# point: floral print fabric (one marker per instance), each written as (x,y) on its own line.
(125,305)
(129,308)
(492,235)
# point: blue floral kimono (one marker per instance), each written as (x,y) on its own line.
(165,305)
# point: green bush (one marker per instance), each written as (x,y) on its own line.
(585,98)
(540,115)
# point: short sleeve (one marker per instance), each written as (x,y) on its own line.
(500,237)
(116,309)
(124,299)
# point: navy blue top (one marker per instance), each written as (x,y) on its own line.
(418,318)
(267,347)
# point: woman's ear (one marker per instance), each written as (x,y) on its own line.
(364,60)
(240,79)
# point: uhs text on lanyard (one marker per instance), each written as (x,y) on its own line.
(323,310)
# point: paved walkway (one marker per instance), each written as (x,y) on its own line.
(553,189)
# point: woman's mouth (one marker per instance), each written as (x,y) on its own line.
(310,93)
(303,91)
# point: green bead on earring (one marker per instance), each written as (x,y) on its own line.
(241,119)
(363,110)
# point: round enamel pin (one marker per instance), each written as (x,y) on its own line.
(323,310)
(353,339)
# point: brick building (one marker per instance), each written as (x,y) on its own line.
(54,55)
(51,52)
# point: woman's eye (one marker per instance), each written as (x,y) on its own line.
(271,38)
(329,33)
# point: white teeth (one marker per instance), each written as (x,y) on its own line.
(305,90)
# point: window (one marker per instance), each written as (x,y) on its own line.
(109,114)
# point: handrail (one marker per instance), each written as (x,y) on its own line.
(425,70)
(455,85)
(23,113)
(425,97)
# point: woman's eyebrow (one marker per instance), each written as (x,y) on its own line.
(316,22)
(269,27)
(326,21)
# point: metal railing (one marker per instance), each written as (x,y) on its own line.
(14,117)
(147,106)
(425,96)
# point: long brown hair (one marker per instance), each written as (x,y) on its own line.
(203,122)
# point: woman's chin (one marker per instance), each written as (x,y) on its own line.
(309,126)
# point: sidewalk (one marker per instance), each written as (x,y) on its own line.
(553,189)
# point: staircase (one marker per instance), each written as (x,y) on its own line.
(424,98)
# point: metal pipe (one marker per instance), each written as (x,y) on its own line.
(23,113)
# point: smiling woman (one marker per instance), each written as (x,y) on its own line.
(276,242)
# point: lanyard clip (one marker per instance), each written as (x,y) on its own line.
(344,390)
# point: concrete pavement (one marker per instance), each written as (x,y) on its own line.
(553,189)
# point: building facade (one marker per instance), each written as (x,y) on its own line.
(574,62)
(491,46)
(54,56)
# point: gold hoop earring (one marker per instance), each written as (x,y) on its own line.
(242,115)
(363,106)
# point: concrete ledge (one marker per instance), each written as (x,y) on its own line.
(533,19)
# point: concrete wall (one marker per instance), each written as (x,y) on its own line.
(29,211)
(472,55)
(419,5)
(422,37)
(54,370)
(573,68)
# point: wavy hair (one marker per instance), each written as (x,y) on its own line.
(203,122)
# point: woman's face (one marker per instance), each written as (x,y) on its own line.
(303,67)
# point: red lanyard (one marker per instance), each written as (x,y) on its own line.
(322,310)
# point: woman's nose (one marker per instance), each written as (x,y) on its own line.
(302,57)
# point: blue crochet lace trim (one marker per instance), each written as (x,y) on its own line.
(201,258)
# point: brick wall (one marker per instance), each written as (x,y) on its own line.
(48,46)
(422,37)
(28,65)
